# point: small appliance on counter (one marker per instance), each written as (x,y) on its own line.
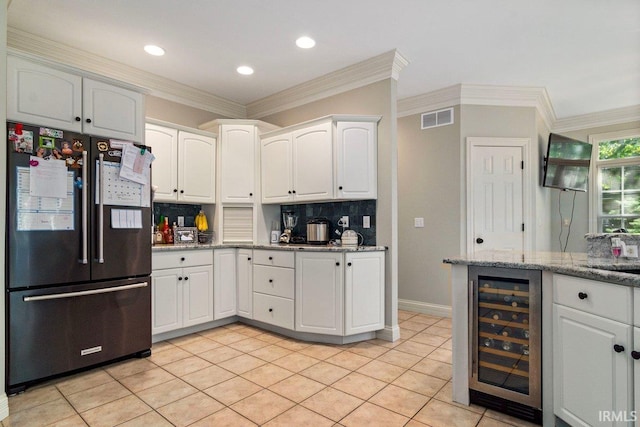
(290,221)
(318,231)
(351,238)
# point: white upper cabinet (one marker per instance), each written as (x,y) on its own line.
(112,111)
(313,163)
(237,166)
(334,157)
(356,160)
(196,168)
(164,146)
(45,96)
(184,168)
(42,95)
(277,173)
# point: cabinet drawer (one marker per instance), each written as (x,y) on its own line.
(273,310)
(175,259)
(273,280)
(599,298)
(274,258)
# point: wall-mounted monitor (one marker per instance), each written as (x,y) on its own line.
(567,163)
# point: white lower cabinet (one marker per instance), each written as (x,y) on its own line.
(319,293)
(182,289)
(224,283)
(245,283)
(363,292)
(592,345)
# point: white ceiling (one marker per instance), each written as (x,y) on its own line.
(586,53)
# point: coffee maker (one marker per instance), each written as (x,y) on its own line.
(289,220)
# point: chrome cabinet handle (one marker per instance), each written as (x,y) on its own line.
(84,293)
(85,210)
(101,211)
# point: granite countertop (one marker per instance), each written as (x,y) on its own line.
(569,263)
(276,246)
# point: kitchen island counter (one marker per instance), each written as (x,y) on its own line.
(569,263)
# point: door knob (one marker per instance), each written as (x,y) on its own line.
(618,348)
(479,240)
(635,355)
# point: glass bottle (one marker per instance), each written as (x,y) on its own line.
(506,346)
(488,342)
(506,332)
(525,350)
(167,232)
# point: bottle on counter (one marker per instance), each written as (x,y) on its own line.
(167,232)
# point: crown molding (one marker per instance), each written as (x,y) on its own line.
(467,94)
(152,83)
(384,66)
(602,118)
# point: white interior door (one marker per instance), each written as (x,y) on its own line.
(496,198)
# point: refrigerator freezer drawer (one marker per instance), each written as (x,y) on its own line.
(65,328)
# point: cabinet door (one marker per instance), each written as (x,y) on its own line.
(276,171)
(237,166)
(196,168)
(164,174)
(319,293)
(198,295)
(364,292)
(43,96)
(356,157)
(584,359)
(224,283)
(313,163)
(166,297)
(111,111)
(245,283)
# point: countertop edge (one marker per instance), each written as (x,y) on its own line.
(577,265)
(279,247)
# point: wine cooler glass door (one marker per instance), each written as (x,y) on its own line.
(505,343)
(503,334)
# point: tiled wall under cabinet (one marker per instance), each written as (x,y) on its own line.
(174,210)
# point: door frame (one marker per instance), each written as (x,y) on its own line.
(527,178)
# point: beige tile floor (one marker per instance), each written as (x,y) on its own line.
(238,375)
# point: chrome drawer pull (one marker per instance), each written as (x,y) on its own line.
(84,293)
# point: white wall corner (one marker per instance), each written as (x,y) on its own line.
(155,85)
(389,333)
(383,66)
(424,308)
(4,406)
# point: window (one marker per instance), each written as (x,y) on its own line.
(615,195)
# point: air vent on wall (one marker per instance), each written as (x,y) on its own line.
(437,118)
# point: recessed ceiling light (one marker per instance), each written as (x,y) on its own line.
(305,42)
(154,50)
(245,70)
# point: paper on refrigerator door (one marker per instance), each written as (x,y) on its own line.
(47,178)
(42,213)
(121,192)
(135,163)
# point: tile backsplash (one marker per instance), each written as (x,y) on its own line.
(174,210)
(333,211)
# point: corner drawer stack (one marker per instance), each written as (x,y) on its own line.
(273,287)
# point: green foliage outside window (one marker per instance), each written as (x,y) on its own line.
(620,186)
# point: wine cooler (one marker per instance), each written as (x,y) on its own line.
(505,330)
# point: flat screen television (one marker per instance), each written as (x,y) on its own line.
(567,163)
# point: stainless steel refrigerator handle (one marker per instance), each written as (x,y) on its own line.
(85,210)
(101,211)
(84,293)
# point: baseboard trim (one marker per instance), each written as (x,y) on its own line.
(4,406)
(389,333)
(424,308)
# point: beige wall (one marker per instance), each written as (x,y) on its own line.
(580,224)
(432,185)
(173,112)
(429,183)
(374,99)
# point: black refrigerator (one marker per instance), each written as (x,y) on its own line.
(78,253)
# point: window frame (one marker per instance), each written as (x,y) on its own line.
(595,180)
